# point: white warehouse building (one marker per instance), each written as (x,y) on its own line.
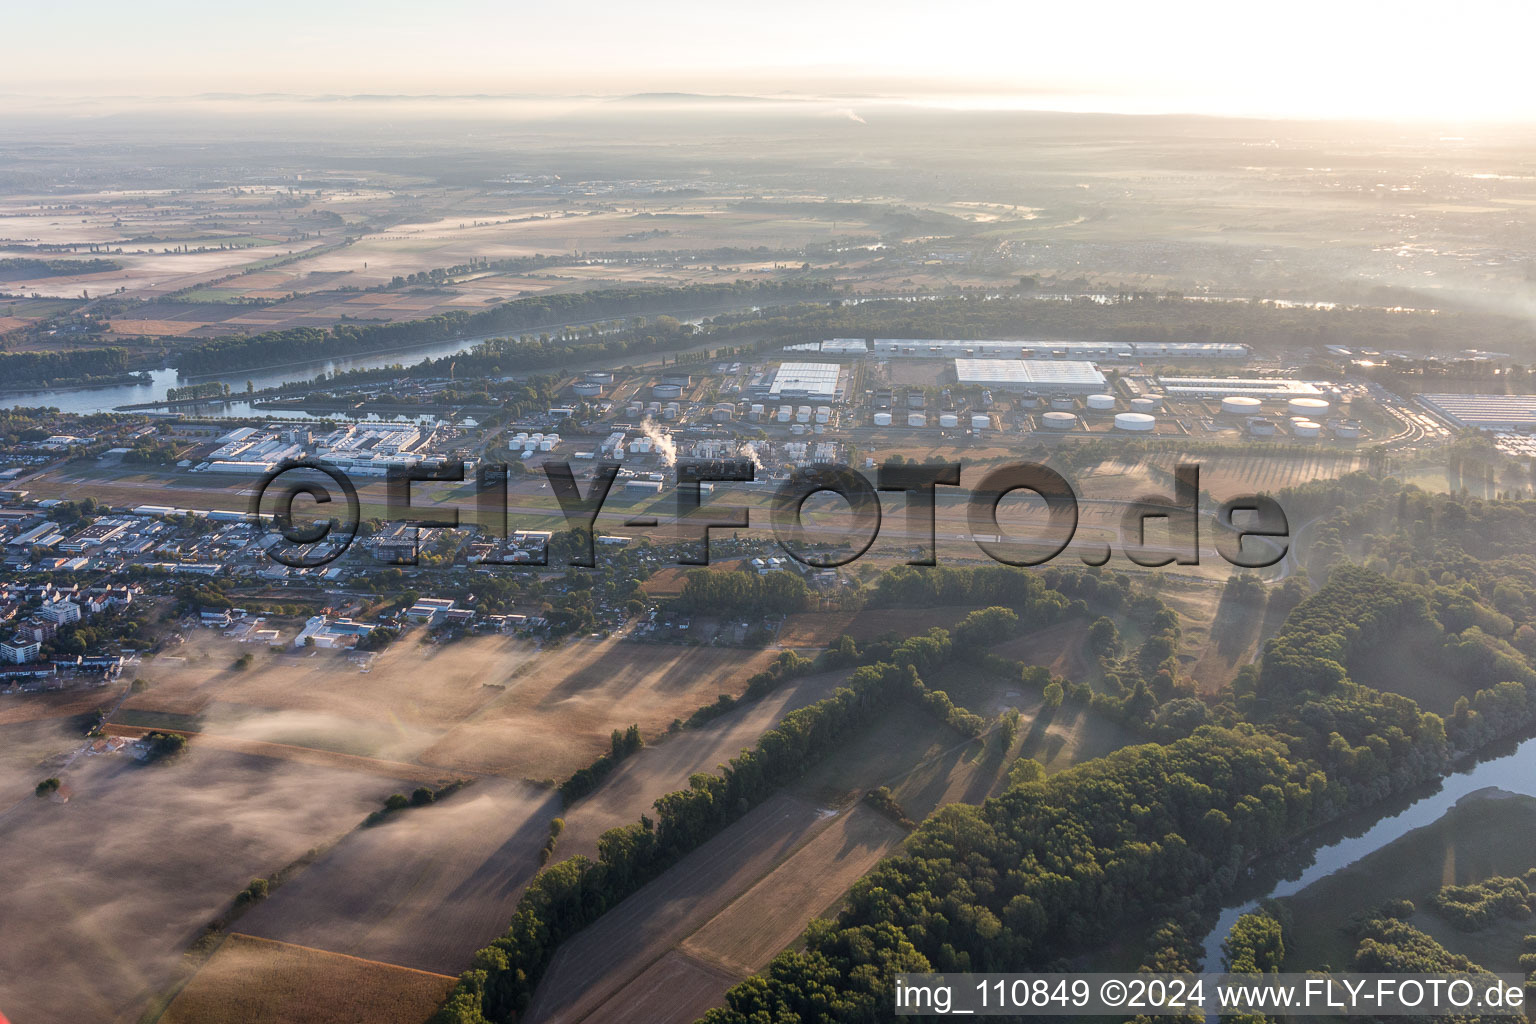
(1031,376)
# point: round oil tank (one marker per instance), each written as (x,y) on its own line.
(1059,421)
(1306,428)
(785,414)
(1063,403)
(882,419)
(588,389)
(667,391)
(1240,405)
(1144,405)
(1101,403)
(1307,406)
(1136,422)
(1261,427)
(600,377)
(546,445)
(916,419)
(1153,397)
(948,419)
(980,422)
(634,409)
(1348,430)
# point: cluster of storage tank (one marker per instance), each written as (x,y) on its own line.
(534,442)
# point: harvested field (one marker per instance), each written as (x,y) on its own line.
(1058,647)
(140,859)
(773,913)
(251,979)
(688,980)
(288,752)
(426,888)
(411,695)
(665,766)
(36,707)
(818,629)
(674,990)
(33,751)
(601,959)
(557,716)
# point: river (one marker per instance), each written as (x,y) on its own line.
(1514,772)
(88,400)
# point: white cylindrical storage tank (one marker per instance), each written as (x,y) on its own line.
(1101,403)
(1144,405)
(980,422)
(823,414)
(1240,405)
(1348,430)
(1308,407)
(1136,422)
(755,413)
(634,409)
(882,419)
(948,419)
(588,389)
(600,376)
(1059,421)
(1306,428)
(653,407)
(1063,403)
(546,445)
(1156,400)
(667,391)
(916,419)
(785,414)
(803,414)
(520,437)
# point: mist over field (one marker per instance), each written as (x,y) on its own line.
(688,515)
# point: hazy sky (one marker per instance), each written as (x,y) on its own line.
(1406,59)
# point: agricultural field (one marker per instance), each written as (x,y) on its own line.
(411,695)
(142,858)
(598,961)
(425,888)
(252,979)
(689,979)
(664,765)
(561,710)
